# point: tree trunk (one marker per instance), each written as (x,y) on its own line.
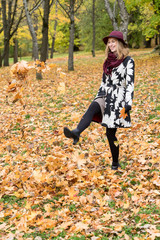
(123,27)
(6,33)
(70,11)
(147,43)
(71,40)
(32,31)
(11,19)
(0,59)
(52,47)
(44,47)
(33,35)
(124,18)
(111,14)
(93,27)
(15,50)
(54,34)
(6,52)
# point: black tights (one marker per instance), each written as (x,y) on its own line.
(86,120)
(93,109)
(113,143)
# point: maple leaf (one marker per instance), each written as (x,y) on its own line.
(73,194)
(46,223)
(116,143)
(81,226)
(61,88)
(40,66)
(123,114)
(52,65)
(22,225)
(11,87)
(13,69)
(65,225)
(22,67)
(17,97)
(19,70)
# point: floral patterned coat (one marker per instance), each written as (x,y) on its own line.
(117,89)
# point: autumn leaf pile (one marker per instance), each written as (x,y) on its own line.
(51,189)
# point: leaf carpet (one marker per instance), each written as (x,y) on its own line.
(51,189)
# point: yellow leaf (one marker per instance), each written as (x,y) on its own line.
(126,205)
(52,65)
(83,199)
(107,216)
(22,67)
(48,208)
(62,75)
(28,205)
(46,223)
(119,227)
(73,193)
(61,88)
(32,215)
(22,225)
(116,143)
(17,97)
(65,225)
(2,226)
(81,226)
(11,87)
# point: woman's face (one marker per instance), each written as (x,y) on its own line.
(112,44)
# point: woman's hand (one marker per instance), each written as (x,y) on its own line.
(127,108)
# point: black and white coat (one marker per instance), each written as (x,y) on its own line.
(117,90)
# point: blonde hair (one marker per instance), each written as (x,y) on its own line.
(122,50)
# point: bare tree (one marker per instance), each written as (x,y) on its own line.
(15,50)
(55,27)
(32,31)
(70,10)
(124,16)
(12,14)
(10,24)
(93,27)
(33,35)
(44,46)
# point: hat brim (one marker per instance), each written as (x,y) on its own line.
(105,40)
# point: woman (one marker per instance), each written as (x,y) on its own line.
(114,99)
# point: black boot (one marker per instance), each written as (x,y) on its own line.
(75,134)
(115,166)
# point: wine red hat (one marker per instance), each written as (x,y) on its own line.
(115,34)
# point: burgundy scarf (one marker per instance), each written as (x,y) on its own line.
(111,62)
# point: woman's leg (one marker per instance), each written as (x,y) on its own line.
(85,121)
(114,146)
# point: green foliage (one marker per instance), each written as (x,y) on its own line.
(62,37)
(144,19)
(103,25)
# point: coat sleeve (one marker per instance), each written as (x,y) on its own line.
(129,84)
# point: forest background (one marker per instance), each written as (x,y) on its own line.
(38,29)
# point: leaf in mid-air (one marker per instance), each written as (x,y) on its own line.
(22,67)
(17,97)
(11,87)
